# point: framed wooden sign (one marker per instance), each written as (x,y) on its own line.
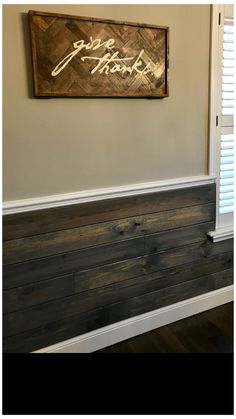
(86,57)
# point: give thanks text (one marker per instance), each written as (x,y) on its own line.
(110,62)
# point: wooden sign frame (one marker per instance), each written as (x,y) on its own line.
(76,56)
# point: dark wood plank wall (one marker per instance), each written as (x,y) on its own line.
(72,269)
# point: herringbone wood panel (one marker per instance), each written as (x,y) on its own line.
(53,37)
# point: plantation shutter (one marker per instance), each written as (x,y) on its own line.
(226,196)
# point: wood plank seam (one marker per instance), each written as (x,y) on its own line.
(163,252)
(146,237)
(162,273)
(127,302)
(24,249)
(102,208)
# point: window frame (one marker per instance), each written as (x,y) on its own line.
(224,226)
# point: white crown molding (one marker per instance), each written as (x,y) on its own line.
(52,201)
(143,323)
(222,234)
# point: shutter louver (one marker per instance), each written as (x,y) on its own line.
(226,198)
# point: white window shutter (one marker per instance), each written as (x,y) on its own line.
(226,195)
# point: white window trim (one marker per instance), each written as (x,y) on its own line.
(226,231)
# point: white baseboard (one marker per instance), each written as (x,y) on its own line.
(223,233)
(52,201)
(143,323)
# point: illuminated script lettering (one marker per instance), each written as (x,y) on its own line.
(110,62)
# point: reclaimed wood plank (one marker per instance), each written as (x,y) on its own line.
(48,15)
(128,273)
(225,278)
(178,237)
(126,269)
(36,316)
(136,270)
(164,297)
(132,272)
(161,241)
(47,244)
(49,267)
(122,271)
(46,268)
(31,295)
(75,325)
(178,256)
(62,218)
(56,331)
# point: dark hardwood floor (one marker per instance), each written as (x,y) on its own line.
(207,332)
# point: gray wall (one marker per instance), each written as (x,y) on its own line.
(54,146)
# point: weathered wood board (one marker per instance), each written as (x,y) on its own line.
(87,57)
(70,270)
